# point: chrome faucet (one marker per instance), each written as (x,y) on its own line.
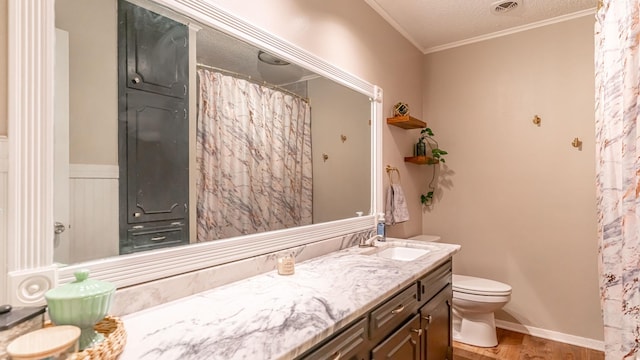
(370,242)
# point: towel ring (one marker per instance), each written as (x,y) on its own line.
(390,169)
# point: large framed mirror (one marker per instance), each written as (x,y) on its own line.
(223,54)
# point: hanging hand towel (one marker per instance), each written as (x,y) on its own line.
(396,205)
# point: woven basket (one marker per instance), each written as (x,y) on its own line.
(115,337)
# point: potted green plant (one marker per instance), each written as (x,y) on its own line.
(437,156)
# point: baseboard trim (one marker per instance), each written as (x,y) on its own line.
(552,335)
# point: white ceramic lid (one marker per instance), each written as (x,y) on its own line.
(479,286)
(44,343)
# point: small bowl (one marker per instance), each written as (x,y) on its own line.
(81,303)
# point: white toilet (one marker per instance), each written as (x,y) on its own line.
(474,302)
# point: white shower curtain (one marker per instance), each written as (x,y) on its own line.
(617,62)
(253,157)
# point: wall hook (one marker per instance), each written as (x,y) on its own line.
(537,120)
(325,157)
(343,138)
(390,170)
(577,143)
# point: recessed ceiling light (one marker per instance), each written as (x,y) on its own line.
(503,6)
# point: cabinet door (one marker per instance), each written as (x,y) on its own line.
(435,317)
(157,55)
(404,344)
(157,158)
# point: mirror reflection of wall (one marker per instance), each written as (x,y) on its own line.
(92,228)
(340,186)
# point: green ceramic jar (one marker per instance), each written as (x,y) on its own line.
(82,303)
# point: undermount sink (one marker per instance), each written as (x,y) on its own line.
(401,253)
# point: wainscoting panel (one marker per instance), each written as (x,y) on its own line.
(93,230)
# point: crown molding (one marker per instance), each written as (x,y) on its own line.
(428,50)
(510,31)
(394,24)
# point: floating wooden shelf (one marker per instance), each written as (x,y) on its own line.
(421,160)
(406,122)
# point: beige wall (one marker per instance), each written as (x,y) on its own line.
(521,199)
(3,66)
(339,188)
(93,74)
(352,36)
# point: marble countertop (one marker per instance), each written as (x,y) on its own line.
(272,316)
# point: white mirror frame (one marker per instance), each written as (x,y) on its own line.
(29,256)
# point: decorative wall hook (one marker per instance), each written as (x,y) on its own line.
(577,143)
(390,170)
(325,157)
(343,138)
(537,120)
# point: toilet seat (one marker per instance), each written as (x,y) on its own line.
(478,286)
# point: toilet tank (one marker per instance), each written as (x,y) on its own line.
(425,238)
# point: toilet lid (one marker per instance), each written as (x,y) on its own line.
(479,286)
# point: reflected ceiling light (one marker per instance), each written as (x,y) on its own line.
(270,59)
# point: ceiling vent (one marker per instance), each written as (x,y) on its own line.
(502,7)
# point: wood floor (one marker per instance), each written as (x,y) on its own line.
(517,346)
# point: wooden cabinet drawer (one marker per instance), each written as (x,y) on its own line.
(404,344)
(392,313)
(432,283)
(350,344)
(155,238)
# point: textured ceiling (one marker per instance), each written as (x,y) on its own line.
(433,25)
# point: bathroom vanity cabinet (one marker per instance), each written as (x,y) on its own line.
(386,308)
(415,323)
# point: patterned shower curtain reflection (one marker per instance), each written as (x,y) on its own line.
(253,156)
(617,63)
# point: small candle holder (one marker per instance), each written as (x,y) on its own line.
(286,264)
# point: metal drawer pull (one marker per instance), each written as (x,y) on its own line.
(428,318)
(337,355)
(417,331)
(158,238)
(398,310)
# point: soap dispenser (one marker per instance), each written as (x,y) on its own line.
(381,229)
